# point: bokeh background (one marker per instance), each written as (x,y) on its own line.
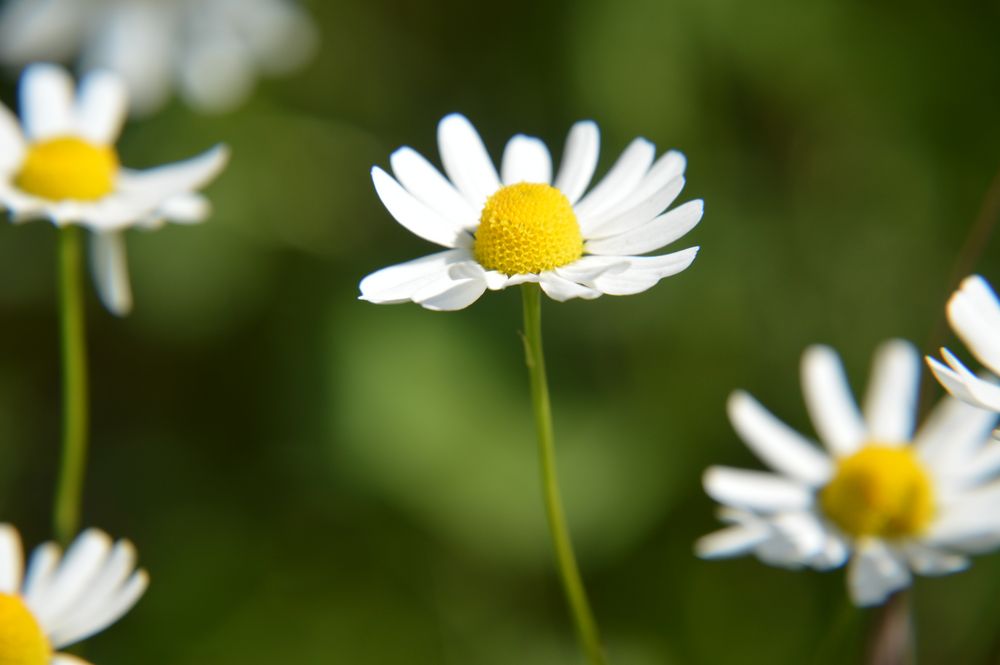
(314,479)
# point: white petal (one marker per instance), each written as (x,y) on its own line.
(101,107)
(654,234)
(891,401)
(587,268)
(972,524)
(639,210)
(755,490)
(426,183)
(931,561)
(399,283)
(952,432)
(643,272)
(828,398)
(11,560)
(579,160)
(451,294)
(776,444)
(109,267)
(12,143)
(153,187)
(668,168)
(526,159)
(186,208)
(67,659)
(561,289)
(82,561)
(415,216)
(466,161)
(965,385)
(803,532)
(116,606)
(833,555)
(875,573)
(47,108)
(731,541)
(136,41)
(974,313)
(38,581)
(619,182)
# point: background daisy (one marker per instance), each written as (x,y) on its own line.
(63,599)
(211,50)
(974,314)
(60,164)
(887,498)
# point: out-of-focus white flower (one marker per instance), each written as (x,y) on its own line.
(59,163)
(524,225)
(212,50)
(62,599)
(890,500)
(974,314)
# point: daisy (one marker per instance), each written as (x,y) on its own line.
(62,599)
(889,500)
(59,163)
(974,313)
(523,225)
(212,50)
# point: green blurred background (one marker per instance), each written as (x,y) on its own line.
(314,479)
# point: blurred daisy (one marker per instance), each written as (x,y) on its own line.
(212,50)
(62,599)
(521,225)
(974,313)
(60,164)
(889,500)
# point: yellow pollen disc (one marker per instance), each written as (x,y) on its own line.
(527,228)
(22,641)
(879,491)
(68,168)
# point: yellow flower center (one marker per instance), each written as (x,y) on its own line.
(527,228)
(22,641)
(68,168)
(879,491)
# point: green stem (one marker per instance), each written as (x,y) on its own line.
(576,595)
(69,487)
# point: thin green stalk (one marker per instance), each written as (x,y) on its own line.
(576,595)
(73,342)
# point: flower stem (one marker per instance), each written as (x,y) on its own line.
(893,641)
(576,595)
(69,487)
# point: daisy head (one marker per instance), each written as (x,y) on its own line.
(524,225)
(63,598)
(59,163)
(974,314)
(885,498)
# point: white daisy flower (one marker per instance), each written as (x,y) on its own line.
(974,313)
(60,164)
(523,225)
(62,599)
(890,500)
(212,50)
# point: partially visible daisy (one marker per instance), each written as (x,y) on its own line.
(62,599)
(212,50)
(890,500)
(60,164)
(523,225)
(974,313)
